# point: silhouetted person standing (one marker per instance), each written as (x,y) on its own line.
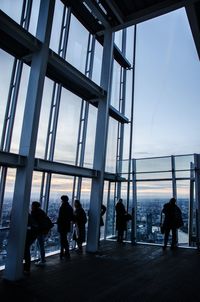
(44,225)
(64,220)
(172,221)
(80,220)
(121,221)
(103,211)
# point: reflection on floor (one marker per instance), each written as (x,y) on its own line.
(116,273)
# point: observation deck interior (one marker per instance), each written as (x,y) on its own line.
(116,273)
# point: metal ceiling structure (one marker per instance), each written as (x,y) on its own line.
(96,16)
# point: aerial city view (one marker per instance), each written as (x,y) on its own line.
(148,225)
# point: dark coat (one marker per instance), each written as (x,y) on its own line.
(173,216)
(43,221)
(80,220)
(121,221)
(65,216)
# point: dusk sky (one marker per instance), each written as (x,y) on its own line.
(167,101)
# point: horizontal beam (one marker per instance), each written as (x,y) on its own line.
(72,79)
(120,58)
(162,179)
(12,160)
(113,177)
(117,53)
(64,169)
(114,113)
(14,39)
(15,160)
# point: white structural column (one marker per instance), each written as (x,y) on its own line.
(21,199)
(100,145)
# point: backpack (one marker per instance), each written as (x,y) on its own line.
(178,218)
(46,225)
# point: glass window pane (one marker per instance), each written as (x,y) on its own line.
(6,213)
(118,39)
(77,45)
(130,43)
(12,8)
(110,226)
(165,50)
(90,138)
(56,26)
(34,17)
(128,99)
(111,147)
(115,85)
(44,118)
(151,197)
(36,186)
(183,162)
(20,109)
(96,74)
(6,64)
(183,200)
(153,164)
(67,131)
(142,176)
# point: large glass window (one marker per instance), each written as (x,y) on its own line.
(77,45)
(90,139)
(130,43)
(6,213)
(44,118)
(183,201)
(151,196)
(166,87)
(20,109)
(12,8)
(67,131)
(115,95)
(6,63)
(96,74)
(34,16)
(118,39)
(110,213)
(56,26)
(111,146)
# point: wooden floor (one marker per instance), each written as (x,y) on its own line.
(116,273)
